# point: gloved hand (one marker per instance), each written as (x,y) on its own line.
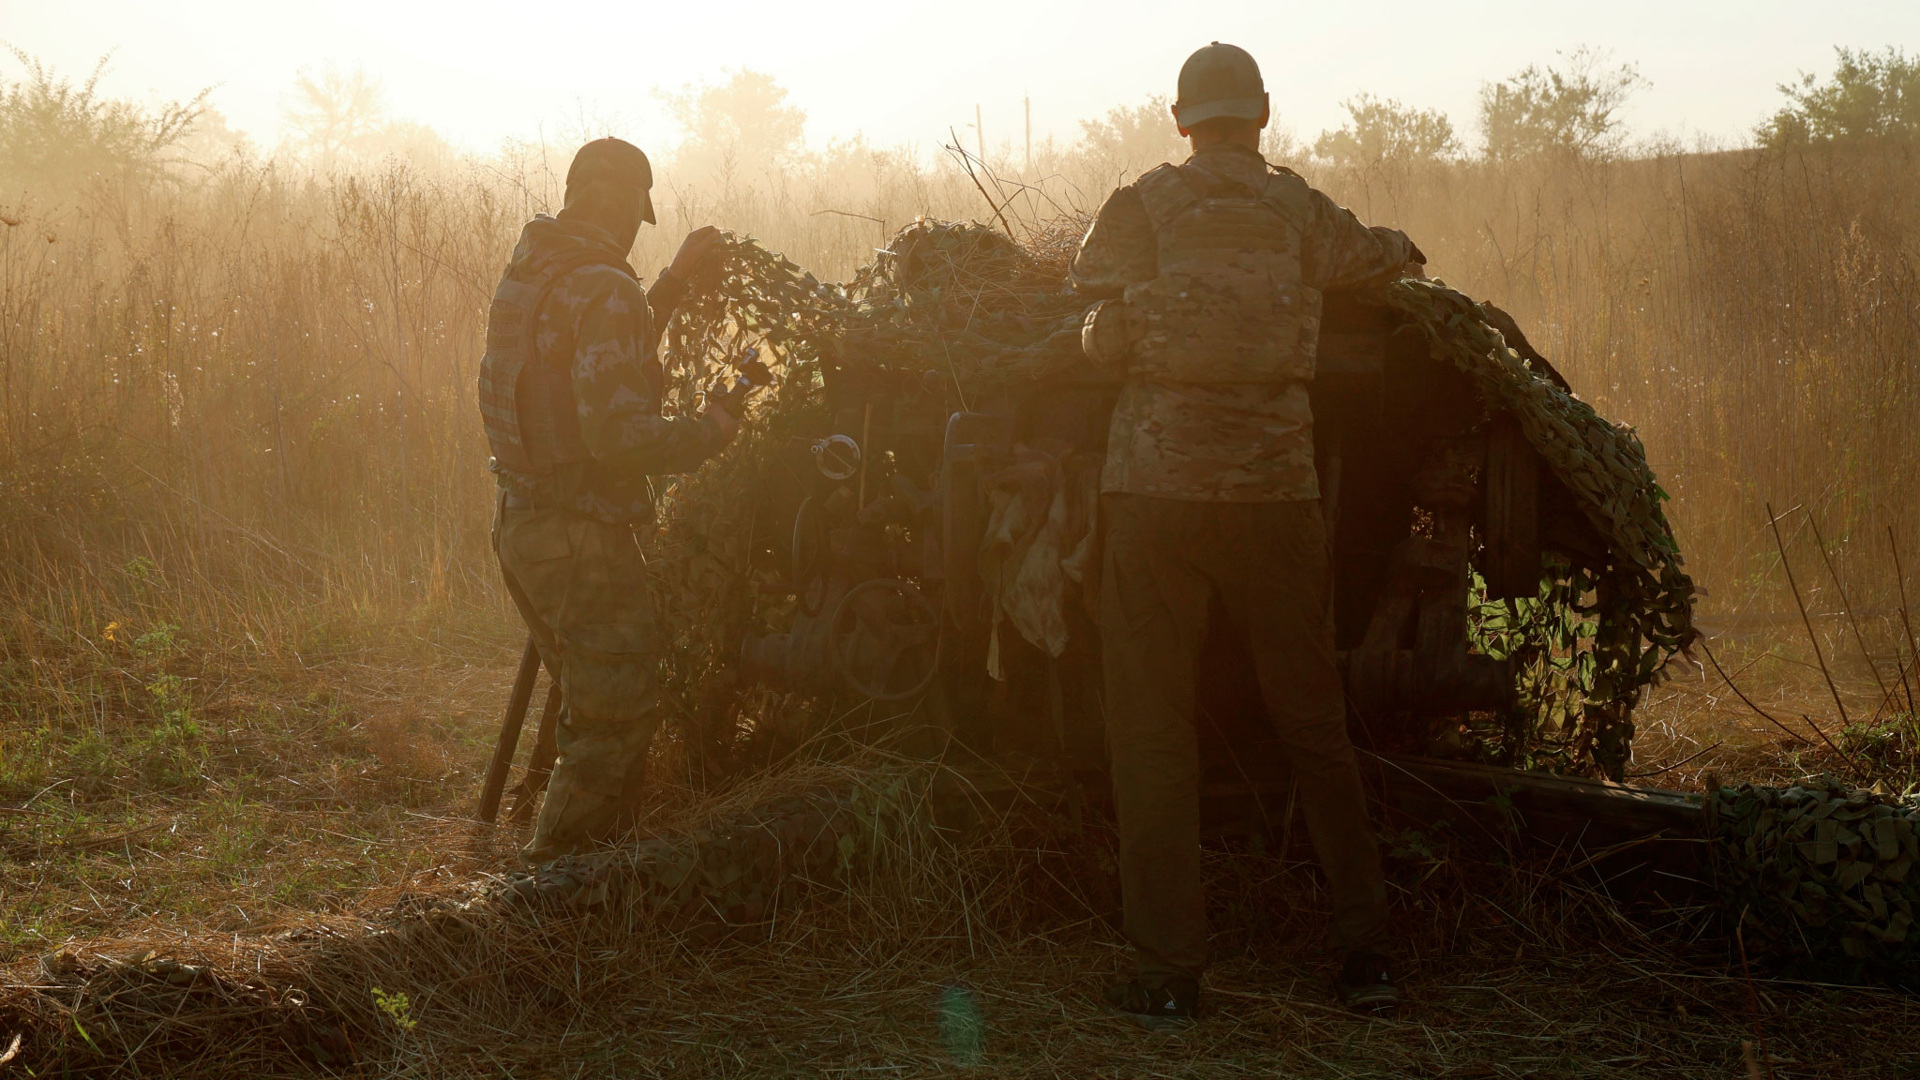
(698,257)
(726,403)
(722,419)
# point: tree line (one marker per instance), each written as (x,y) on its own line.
(53,129)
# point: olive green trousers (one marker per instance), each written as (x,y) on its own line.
(1163,561)
(581,585)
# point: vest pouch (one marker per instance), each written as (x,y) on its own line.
(526,405)
(1110,331)
(1232,321)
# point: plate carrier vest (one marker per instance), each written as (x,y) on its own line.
(1229,305)
(526,400)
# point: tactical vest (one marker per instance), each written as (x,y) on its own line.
(1229,304)
(526,400)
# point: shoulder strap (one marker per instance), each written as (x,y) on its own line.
(556,266)
(1166,194)
(1285,193)
(556,269)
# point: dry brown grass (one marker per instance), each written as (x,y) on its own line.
(1517,968)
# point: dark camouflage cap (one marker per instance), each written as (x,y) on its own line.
(1220,80)
(615,161)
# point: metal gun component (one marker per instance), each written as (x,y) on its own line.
(886,640)
(837,457)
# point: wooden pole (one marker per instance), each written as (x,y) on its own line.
(546,748)
(1027,102)
(509,733)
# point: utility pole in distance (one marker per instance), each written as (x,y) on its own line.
(980,133)
(1028,103)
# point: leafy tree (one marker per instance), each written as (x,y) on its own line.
(1132,138)
(341,117)
(52,131)
(213,142)
(746,116)
(335,113)
(1386,131)
(1572,109)
(1869,96)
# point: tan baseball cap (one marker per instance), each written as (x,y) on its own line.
(1220,80)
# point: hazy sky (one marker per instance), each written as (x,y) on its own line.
(482,71)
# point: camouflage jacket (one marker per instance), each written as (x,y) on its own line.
(1222,443)
(604,320)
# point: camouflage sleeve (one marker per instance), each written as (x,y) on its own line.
(1119,248)
(619,405)
(665,295)
(1338,252)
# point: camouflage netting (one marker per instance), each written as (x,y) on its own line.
(1821,876)
(963,306)
(1582,677)
(959,300)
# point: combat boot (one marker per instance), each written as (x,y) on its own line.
(572,819)
(1165,1005)
(1366,984)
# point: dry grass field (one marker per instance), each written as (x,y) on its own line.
(252,648)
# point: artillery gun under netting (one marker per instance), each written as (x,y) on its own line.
(915,520)
(910,521)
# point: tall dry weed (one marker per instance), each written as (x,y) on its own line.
(257,384)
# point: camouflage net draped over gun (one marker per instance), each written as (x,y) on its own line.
(1581,677)
(703,576)
(957,300)
(965,302)
(960,311)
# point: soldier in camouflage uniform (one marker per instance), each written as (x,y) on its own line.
(1215,269)
(570,394)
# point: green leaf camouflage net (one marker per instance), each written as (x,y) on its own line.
(959,311)
(1820,876)
(1578,691)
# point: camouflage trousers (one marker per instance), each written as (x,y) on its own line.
(1163,560)
(581,585)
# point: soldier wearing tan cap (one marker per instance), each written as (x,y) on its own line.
(1214,271)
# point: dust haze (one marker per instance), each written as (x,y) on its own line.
(253,639)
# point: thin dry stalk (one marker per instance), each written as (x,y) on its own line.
(1742,695)
(1913,646)
(966,162)
(1846,605)
(1753,1006)
(1812,638)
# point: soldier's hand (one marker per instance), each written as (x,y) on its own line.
(698,257)
(723,419)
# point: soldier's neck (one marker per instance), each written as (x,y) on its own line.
(1249,141)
